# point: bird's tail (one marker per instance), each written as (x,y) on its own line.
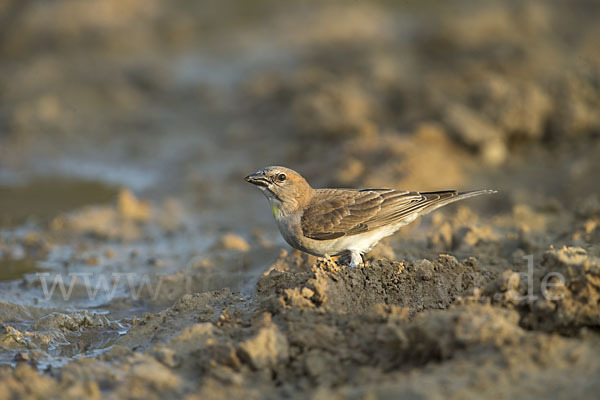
(438,199)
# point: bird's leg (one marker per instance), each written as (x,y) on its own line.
(355,259)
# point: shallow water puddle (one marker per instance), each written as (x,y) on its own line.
(43,198)
(11,269)
(54,348)
(69,294)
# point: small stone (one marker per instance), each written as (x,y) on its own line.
(234,242)
(130,207)
(307,293)
(110,254)
(424,269)
(92,261)
(156,262)
(315,364)
(267,348)
(166,356)
(510,280)
(21,357)
(157,374)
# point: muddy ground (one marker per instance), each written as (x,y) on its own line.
(136,263)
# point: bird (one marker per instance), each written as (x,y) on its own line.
(342,222)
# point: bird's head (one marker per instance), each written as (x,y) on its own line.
(286,189)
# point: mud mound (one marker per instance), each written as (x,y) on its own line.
(565,295)
(329,287)
(348,329)
(179,100)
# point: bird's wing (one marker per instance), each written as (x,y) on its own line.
(333,213)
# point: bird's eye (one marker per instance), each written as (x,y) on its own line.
(281,177)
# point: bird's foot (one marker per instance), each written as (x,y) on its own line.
(351,259)
(355,259)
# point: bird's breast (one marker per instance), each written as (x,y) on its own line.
(289,227)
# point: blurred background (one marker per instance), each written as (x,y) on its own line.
(183,98)
(126,127)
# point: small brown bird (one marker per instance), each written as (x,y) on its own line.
(342,221)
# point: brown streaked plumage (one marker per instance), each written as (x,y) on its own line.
(338,221)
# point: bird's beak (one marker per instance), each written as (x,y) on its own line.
(257,179)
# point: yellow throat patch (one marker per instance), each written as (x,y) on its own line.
(275,210)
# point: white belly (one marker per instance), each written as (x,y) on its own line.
(289,226)
(363,242)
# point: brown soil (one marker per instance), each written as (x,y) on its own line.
(126,129)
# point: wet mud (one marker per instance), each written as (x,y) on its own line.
(136,263)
